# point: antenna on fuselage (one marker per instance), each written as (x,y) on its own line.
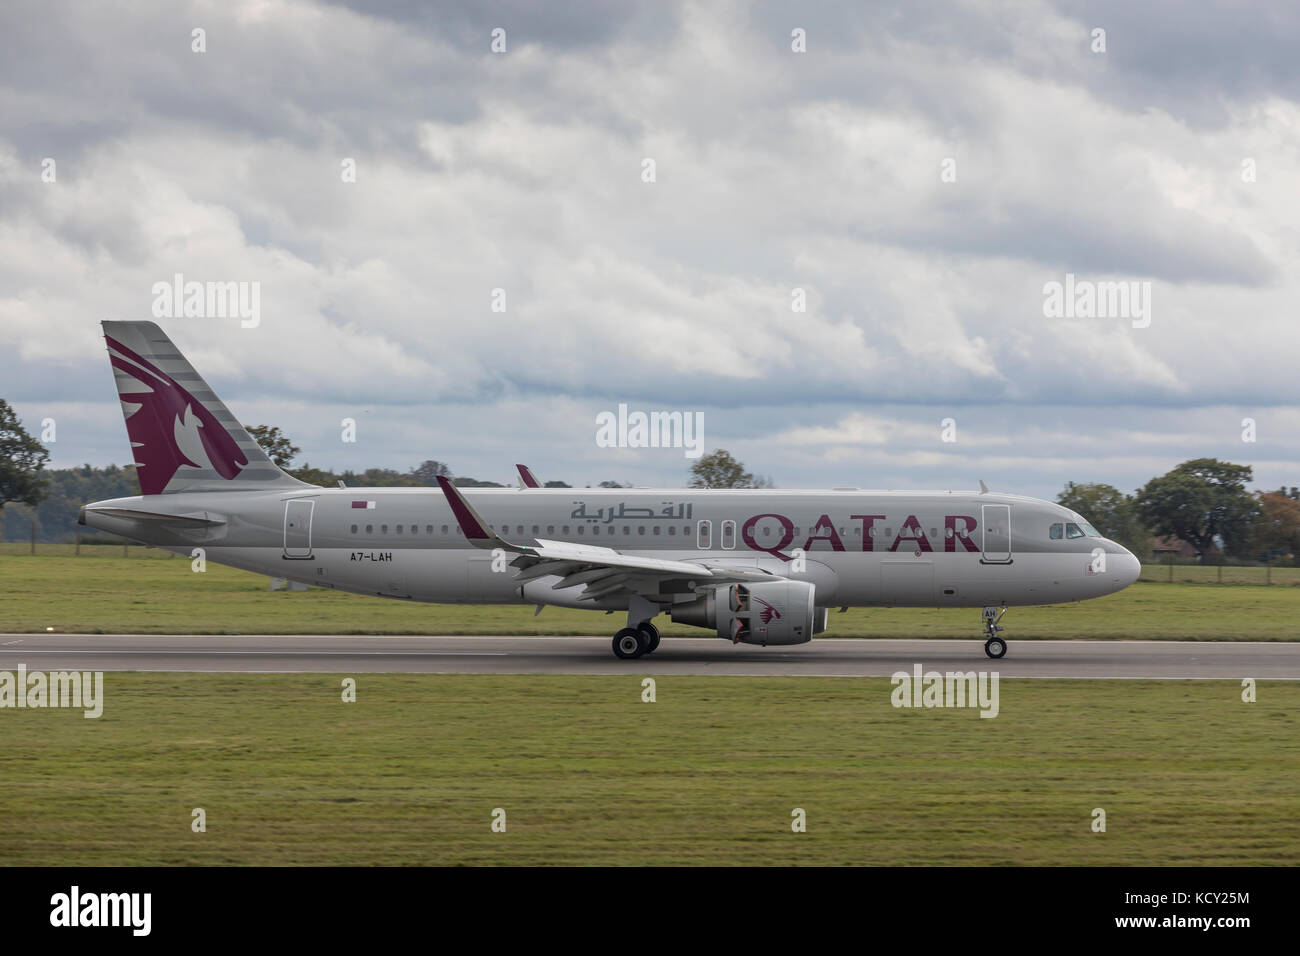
(984,489)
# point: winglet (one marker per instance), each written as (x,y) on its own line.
(472,525)
(526,476)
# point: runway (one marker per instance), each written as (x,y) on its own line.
(836,657)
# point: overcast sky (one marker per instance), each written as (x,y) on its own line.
(921,172)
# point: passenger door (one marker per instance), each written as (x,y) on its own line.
(297,527)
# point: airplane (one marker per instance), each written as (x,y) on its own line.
(755,566)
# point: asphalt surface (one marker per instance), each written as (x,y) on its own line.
(835,657)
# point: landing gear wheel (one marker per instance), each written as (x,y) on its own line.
(995,647)
(651,635)
(629,644)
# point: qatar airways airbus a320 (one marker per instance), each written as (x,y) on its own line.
(757,566)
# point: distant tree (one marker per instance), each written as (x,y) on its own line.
(315,476)
(557,484)
(1111,512)
(276,445)
(718,469)
(69,489)
(762,481)
(1292,492)
(1277,529)
(1199,501)
(21,459)
(379,478)
(428,472)
(612,484)
(475,483)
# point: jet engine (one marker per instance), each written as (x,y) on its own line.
(776,612)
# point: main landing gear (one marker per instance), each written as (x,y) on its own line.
(634,642)
(995,647)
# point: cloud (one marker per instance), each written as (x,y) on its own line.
(776,174)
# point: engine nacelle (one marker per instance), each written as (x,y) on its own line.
(777,612)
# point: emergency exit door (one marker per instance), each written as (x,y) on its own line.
(997,534)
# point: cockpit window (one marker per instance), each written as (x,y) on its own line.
(1072,530)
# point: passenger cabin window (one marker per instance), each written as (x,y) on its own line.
(354,529)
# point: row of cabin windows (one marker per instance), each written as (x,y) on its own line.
(764,530)
(518,529)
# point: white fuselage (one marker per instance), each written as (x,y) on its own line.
(859,548)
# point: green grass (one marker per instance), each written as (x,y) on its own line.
(152,592)
(588,774)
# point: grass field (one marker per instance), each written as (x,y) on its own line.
(152,592)
(709,774)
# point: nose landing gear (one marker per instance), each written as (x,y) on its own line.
(995,647)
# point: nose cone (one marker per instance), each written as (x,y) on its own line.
(1124,568)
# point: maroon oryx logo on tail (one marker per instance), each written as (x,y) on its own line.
(171,427)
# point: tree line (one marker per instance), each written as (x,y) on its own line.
(1203,502)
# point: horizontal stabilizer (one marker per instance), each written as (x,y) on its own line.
(203,520)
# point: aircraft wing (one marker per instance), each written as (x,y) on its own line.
(603,571)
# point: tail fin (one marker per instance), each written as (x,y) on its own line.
(182,436)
